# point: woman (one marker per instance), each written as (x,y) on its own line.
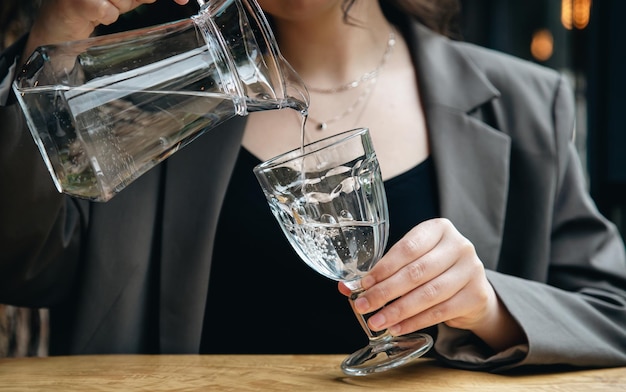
(495,243)
(450,144)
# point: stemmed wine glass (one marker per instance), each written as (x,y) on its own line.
(329,199)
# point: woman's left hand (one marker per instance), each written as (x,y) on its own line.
(433,275)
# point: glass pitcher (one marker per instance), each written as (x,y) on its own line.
(105,110)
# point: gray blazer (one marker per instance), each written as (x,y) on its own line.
(130,275)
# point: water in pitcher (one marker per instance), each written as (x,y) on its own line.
(105,110)
(125,133)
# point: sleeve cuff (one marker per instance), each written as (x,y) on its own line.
(463,349)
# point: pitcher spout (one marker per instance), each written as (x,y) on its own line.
(296,93)
(253,65)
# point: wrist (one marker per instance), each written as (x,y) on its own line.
(499,329)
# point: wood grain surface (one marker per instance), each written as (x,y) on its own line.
(273,373)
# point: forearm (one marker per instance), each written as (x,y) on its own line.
(565,327)
(562,328)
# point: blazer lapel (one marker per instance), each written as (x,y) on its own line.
(471,158)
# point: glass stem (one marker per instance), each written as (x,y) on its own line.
(373,336)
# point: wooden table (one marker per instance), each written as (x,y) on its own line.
(273,373)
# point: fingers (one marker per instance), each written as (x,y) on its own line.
(415,244)
(412,246)
(343,289)
(449,296)
(101,12)
(66,20)
(424,253)
(107,12)
(114,8)
(432,275)
(69,20)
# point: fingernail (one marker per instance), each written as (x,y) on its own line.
(377,321)
(394,330)
(362,304)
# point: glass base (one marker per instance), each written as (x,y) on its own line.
(384,355)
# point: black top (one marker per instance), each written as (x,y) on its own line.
(263,298)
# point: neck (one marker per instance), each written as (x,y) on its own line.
(355,46)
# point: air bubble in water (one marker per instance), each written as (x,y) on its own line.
(345,216)
(329,219)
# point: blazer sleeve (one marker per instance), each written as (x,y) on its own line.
(577,316)
(39,227)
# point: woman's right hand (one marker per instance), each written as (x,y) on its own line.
(69,20)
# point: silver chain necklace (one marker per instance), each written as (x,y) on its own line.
(365,77)
(369,77)
(322,125)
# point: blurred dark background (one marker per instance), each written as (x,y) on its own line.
(586,40)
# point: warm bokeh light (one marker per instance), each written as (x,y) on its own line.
(566,13)
(575,13)
(542,45)
(582,11)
